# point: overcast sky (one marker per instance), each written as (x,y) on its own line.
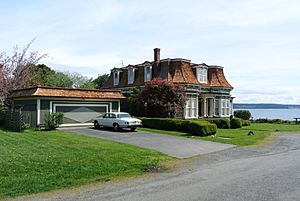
(257,41)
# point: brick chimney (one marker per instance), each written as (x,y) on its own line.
(156,54)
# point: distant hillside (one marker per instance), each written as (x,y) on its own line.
(263,106)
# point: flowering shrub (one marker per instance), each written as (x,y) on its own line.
(161,98)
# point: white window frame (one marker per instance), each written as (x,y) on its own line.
(116,77)
(202,74)
(191,107)
(130,73)
(225,107)
(147,76)
(217,107)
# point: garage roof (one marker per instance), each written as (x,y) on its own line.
(43,91)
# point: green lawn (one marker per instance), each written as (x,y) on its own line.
(36,161)
(238,136)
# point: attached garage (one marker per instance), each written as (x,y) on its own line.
(80,106)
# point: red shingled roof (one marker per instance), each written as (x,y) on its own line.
(42,91)
(216,78)
(180,71)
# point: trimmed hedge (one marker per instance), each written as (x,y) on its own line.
(220,122)
(236,123)
(195,127)
(246,122)
(202,128)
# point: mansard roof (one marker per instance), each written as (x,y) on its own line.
(177,70)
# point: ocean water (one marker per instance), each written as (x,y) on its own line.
(286,114)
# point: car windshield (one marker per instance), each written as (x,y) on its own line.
(124,116)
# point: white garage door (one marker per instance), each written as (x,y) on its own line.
(80,113)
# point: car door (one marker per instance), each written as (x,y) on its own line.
(112,118)
(105,119)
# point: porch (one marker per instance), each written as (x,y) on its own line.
(208,106)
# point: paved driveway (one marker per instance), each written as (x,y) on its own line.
(178,147)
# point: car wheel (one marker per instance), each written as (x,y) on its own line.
(96,124)
(116,127)
(132,128)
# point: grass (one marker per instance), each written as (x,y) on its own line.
(36,161)
(238,136)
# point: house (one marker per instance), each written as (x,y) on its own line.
(80,106)
(208,91)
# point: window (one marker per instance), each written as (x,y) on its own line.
(202,74)
(225,107)
(191,106)
(116,78)
(130,75)
(217,107)
(112,116)
(148,73)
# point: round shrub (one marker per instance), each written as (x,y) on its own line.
(246,122)
(236,123)
(243,114)
(202,128)
(220,122)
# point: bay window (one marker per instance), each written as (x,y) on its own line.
(191,106)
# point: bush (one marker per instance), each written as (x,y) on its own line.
(52,120)
(236,123)
(196,127)
(243,114)
(273,121)
(220,122)
(246,122)
(202,128)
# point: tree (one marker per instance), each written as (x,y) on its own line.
(58,79)
(89,84)
(77,79)
(131,105)
(100,80)
(243,114)
(45,76)
(15,70)
(163,98)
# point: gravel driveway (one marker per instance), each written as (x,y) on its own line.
(178,147)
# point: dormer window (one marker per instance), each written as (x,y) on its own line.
(131,75)
(148,73)
(202,74)
(116,78)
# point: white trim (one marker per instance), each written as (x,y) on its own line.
(110,105)
(93,105)
(78,124)
(202,74)
(38,105)
(191,106)
(119,106)
(50,107)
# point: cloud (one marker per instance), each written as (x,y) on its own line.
(256,41)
